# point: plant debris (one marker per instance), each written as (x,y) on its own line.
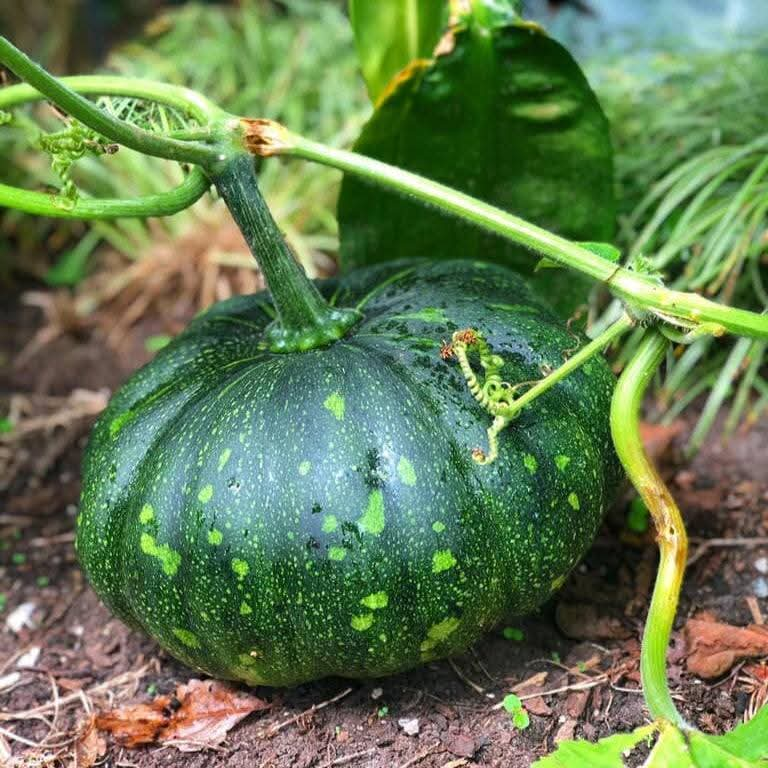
(713,647)
(199,715)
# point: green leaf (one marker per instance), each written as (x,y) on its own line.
(512,703)
(744,747)
(506,115)
(638,516)
(6,426)
(604,251)
(520,719)
(547,263)
(606,753)
(390,35)
(670,750)
(513,633)
(72,265)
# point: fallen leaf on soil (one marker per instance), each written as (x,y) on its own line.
(531,684)
(565,731)
(197,716)
(580,621)
(461,745)
(89,747)
(576,703)
(713,648)
(537,706)
(657,438)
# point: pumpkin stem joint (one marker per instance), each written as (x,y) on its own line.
(304,319)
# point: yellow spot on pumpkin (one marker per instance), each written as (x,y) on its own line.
(330,523)
(169,558)
(376,600)
(438,526)
(443,560)
(337,553)
(240,568)
(573,500)
(362,622)
(215,537)
(439,632)
(530,463)
(188,638)
(562,461)
(304,467)
(372,520)
(224,458)
(406,472)
(245,609)
(147,514)
(559,581)
(119,422)
(205,494)
(335,404)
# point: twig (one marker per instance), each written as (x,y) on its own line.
(314,708)
(418,758)
(69,699)
(584,685)
(344,759)
(45,541)
(474,686)
(757,541)
(754,609)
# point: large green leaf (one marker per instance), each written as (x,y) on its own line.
(389,34)
(744,747)
(505,114)
(606,753)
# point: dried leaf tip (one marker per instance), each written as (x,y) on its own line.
(262,137)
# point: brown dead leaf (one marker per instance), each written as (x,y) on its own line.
(657,438)
(197,716)
(713,648)
(90,746)
(537,706)
(576,703)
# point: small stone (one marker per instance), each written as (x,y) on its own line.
(29,659)
(761,565)
(8,681)
(760,587)
(21,617)
(410,725)
(377,693)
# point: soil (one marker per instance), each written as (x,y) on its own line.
(574,663)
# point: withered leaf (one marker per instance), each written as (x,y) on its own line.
(713,648)
(197,716)
(90,745)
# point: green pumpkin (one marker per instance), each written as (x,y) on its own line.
(278,517)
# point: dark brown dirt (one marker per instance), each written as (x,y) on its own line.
(587,637)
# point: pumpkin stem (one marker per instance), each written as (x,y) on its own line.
(305,320)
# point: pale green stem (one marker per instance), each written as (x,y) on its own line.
(670,529)
(598,344)
(186,100)
(164,204)
(634,288)
(99,120)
